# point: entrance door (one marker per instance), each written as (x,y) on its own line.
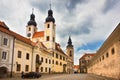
(3,72)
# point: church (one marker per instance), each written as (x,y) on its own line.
(37,52)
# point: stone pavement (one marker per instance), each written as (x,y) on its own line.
(65,77)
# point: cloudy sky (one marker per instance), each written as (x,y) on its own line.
(89,22)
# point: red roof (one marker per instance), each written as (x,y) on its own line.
(6,30)
(87,54)
(58,48)
(76,66)
(38,34)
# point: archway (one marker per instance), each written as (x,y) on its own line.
(3,72)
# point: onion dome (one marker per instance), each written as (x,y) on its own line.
(32,20)
(50,16)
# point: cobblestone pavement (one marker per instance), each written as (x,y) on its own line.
(65,77)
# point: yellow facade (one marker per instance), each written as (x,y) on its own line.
(106,61)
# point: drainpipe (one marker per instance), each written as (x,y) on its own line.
(12,57)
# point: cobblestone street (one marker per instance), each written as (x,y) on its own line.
(65,77)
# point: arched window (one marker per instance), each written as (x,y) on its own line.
(37,58)
(70,53)
(29,28)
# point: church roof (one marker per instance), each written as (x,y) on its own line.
(58,48)
(38,34)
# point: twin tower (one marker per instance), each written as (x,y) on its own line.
(47,37)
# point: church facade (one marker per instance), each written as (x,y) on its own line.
(37,52)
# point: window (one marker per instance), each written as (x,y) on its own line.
(46,69)
(63,58)
(41,59)
(29,28)
(70,53)
(60,63)
(112,51)
(46,60)
(56,62)
(41,69)
(100,59)
(56,55)
(53,61)
(49,61)
(27,68)
(53,54)
(60,57)
(48,38)
(27,56)
(18,67)
(37,58)
(103,57)
(48,25)
(4,55)
(107,55)
(19,54)
(5,41)
(53,39)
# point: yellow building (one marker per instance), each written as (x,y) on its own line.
(106,61)
(38,52)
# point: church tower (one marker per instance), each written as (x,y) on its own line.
(31,27)
(70,49)
(50,30)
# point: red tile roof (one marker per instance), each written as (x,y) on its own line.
(87,54)
(76,66)
(2,24)
(6,30)
(58,48)
(38,34)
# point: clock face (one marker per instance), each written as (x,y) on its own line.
(29,34)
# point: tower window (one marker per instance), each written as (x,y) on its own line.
(48,26)
(48,38)
(29,28)
(70,54)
